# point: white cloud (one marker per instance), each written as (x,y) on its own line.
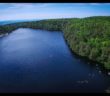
(13,11)
(35,16)
(25,5)
(14,8)
(99,3)
(90,3)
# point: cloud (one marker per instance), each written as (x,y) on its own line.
(90,3)
(25,5)
(99,3)
(14,11)
(14,8)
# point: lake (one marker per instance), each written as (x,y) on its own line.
(40,61)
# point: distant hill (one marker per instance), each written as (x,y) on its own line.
(14,21)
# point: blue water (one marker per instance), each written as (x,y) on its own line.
(40,61)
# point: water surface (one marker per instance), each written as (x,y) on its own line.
(40,61)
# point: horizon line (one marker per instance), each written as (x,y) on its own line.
(54,18)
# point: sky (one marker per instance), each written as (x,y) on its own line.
(30,11)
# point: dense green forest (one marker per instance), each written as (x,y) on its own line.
(88,37)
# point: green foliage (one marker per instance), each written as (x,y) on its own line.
(92,36)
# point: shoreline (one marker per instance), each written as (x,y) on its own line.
(86,59)
(2,35)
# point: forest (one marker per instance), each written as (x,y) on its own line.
(88,37)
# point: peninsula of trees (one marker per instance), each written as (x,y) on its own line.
(88,37)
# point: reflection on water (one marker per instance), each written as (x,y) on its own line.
(40,61)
